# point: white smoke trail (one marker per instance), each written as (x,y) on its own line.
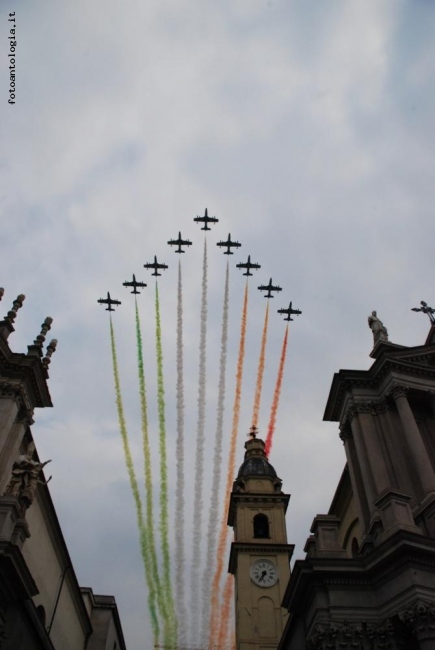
(213,521)
(179,502)
(199,460)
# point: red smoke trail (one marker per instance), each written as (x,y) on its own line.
(260,373)
(276,396)
(227,598)
(214,620)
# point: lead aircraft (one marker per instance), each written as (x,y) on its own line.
(205,220)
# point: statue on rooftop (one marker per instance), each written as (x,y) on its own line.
(379,330)
(25,478)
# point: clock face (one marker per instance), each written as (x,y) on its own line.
(264,573)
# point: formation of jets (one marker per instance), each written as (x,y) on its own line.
(109,302)
(289,312)
(205,220)
(179,242)
(248,266)
(228,244)
(269,288)
(155,265)
(135,284)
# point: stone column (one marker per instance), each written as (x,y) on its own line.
(375,455)
(418,453)
(10,401)
(363,457)
(355,475)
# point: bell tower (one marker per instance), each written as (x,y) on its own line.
(260,555)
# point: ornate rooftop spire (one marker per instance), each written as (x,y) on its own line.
(6,325)
(36,348)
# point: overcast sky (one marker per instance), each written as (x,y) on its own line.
(307,128)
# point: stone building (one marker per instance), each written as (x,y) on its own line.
(42,606)
(368,579)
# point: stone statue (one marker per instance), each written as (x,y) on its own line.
(379,330)
(25,478)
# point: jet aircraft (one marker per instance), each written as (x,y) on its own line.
(155,265)
(289,312)
(205,220)
(229,244)
(248,266)
(135,284)
(108,301)
(179,242)
(269,288)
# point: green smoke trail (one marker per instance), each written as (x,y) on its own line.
(154,587)
(133,484)
(167,590)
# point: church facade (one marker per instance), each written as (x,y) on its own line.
(42,606)
(368,579)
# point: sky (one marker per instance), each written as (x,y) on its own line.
(306,127)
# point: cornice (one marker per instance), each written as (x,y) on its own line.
(258,498)
(401,550)
(346,380)
(29,372)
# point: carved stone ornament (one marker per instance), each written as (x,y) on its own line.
(336,636)
(371,407)
(345,431)
(398,390)
(355,636)
(382,637)
(420,618)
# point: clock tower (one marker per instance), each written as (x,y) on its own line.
(260,555)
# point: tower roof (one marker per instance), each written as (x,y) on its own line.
(256,463)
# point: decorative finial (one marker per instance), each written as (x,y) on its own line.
(17,304)
(253,431)
(1,292)
(430,311)
(51,347)
(35,350)
(46,325)
(379,330)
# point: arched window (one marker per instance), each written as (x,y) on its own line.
(261,526)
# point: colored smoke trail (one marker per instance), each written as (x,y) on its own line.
(155,593)
(214,618)
(164,533)
(227,598)
(276,396)
(199,459)
(213,521)
(179,501)
(134,487)
(260,373)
